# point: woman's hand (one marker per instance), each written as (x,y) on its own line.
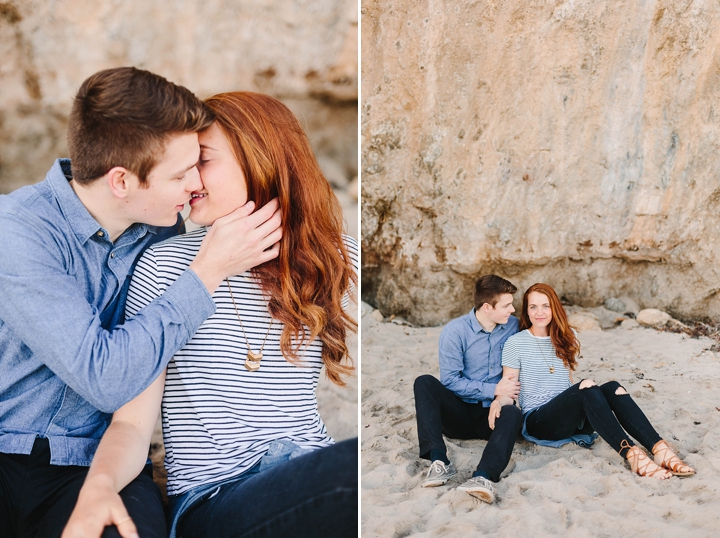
(495,408)
(98,506)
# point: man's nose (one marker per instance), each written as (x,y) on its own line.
(195,183)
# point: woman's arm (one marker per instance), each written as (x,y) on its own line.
(120,457)
(500,400)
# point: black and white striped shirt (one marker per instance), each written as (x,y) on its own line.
(218,418)
(533,356)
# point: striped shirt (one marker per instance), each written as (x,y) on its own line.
(533,356)
(218,418)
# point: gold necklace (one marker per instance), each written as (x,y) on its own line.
(252,362)
(542,353)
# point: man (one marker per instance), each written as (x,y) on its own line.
(462,402)
(68,358)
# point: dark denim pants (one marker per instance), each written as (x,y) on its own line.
(312,495)
(600,409)
(36,498)
(440,411)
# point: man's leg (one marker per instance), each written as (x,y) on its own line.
(313,495)
(439,411)
(48,494)
(141,497)
(501,441)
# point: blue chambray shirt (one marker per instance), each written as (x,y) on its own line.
(68,358)
(471,358)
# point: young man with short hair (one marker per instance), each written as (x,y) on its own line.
(460,404)
(68,245)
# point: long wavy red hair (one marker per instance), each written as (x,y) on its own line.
(313,271)
(563,339)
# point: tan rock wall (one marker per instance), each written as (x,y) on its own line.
(573,142)
(304,52)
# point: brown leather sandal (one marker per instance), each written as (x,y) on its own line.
(666,458)
(635,455)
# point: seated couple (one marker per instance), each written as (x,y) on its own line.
(486,364)
(106,318)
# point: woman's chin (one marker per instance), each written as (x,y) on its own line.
(198,220)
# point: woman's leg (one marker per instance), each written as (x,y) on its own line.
(313,495)
(561,416)
(630,416)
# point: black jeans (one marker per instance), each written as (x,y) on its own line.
(312,495)
(439,411)
(36,498)
(610,414)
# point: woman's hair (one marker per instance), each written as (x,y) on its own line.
(563,339)
(313,271)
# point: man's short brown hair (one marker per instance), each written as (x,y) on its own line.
(489,288)
(123,116)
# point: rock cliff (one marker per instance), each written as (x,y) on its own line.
(302,52)
(570,142)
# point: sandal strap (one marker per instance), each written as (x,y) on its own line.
(673,463)
(636,454)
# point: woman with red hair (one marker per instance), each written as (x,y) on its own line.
(543,356)
(246,450)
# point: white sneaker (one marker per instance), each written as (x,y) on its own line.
(479,487)
(438,474)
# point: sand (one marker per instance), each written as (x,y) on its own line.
(571,491)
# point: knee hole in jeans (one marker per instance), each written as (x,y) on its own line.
(620,391)
(586,384)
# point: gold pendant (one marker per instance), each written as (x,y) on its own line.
(252,363)
(552,369)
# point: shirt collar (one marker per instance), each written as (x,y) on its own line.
(476,327)
(77,215)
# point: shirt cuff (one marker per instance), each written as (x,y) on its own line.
(192,299)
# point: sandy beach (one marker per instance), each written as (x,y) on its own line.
(571,491)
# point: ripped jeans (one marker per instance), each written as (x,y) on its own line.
(602,409)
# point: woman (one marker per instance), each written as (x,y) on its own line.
(246,450)
(545,354)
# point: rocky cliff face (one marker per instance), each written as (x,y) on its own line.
(570,142)
(302,52)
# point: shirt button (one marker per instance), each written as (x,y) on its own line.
(101,233)
(112,254)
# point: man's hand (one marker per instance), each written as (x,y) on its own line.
(495,408)
(238,242)
(98,506)
(508,386)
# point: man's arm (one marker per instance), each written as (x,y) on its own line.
(46,309)
(119,458)
(451,356)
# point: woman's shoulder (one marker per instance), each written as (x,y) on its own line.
(519,338)
(186,244)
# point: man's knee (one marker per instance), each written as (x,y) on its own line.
(511,414)
(424,383)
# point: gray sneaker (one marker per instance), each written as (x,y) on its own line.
(479,487)
(438,474)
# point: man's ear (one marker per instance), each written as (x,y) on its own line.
(120,180)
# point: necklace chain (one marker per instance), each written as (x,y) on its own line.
(551,368)
(252,362)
